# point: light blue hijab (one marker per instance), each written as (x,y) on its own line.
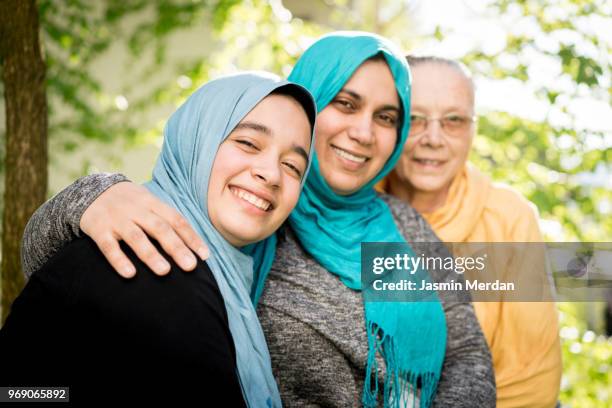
(410,336)
(192,137)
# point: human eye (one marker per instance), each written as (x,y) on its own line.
(417,119)
(293,169)
(345,104)
(455,120)
(388,119)
(246,144)
(418,124)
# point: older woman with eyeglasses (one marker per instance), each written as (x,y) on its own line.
(462,205)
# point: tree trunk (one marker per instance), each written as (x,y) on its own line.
(23,74)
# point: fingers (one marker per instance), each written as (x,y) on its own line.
(109,246)
(162,231)
(135,238)
(110,218)
(129,212)
(186,233)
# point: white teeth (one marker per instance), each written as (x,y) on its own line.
(253,199)
(349,156)
(430,162)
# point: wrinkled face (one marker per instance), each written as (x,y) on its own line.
(255,178)
(357,131)
(431,158)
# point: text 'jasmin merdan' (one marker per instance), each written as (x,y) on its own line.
(405,285)
(412,264)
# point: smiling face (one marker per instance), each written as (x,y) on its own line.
(256,176)
(432,158)
(357,131)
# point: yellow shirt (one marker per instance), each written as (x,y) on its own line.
(523,337)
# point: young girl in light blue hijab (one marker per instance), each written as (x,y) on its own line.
(181,177)
(234,158)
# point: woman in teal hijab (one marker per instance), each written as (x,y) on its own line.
(339,209)
(328,348)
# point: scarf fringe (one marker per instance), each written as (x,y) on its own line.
(400,387)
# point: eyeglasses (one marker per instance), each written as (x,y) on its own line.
(453,125)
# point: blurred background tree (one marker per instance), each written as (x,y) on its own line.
(23,73)
(116,69)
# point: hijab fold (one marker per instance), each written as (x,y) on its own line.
(181,176)
(410,336)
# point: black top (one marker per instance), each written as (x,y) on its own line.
(78,323)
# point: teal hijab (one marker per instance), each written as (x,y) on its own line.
(410,336)
(192,137)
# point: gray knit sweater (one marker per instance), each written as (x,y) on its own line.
(313,323)
(315,329)
(57,221)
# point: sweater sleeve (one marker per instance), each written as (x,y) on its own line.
(56,222)
(468,379)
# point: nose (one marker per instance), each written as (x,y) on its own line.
(361,129)
(267,171)
(433,134)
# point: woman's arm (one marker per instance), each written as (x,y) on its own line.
(108,208)
(468,379)
(56,222)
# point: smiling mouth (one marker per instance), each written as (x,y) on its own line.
(251,198)
(429,162)
(349,156)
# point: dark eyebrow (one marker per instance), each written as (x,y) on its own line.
(391,107)
(258,127)
(351,93)
(358,97)
(300,150)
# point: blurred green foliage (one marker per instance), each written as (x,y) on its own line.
(587,360)
(77,32)
(562,166)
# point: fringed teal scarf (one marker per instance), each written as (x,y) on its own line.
(410,336)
